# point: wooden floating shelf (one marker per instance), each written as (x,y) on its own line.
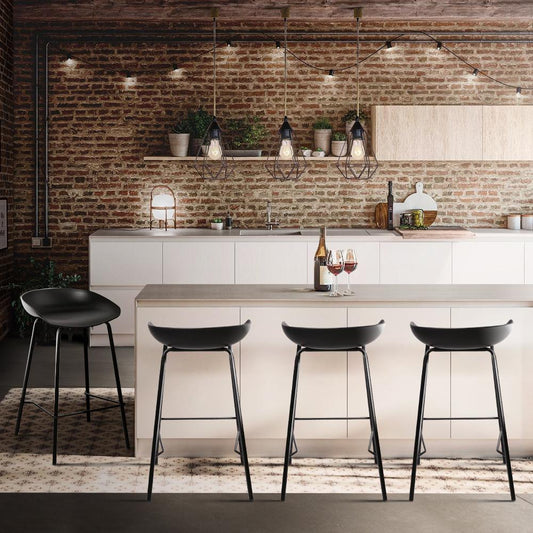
(263,158)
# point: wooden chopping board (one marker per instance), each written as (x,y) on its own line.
(437,232)
(381,215)
(417,200)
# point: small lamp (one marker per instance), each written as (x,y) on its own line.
(162,206)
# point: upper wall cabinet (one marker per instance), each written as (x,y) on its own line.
(427,133)
(508,133)
(452,133)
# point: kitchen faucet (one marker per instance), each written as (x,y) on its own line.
(269,222)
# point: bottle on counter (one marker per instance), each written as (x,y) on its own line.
(323,277)
(390,208)
(229,221)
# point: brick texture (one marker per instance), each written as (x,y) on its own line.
(6,161)
(100,129)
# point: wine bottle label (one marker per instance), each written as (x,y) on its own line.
(326,278)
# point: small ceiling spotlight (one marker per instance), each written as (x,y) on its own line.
(175,68)
(439,45)
(331,73)
(228,43)
(278,44)
(389,45)
(519,91)
(475,72)
(69,60)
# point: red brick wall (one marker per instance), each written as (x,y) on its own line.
(6,164)
(100,131)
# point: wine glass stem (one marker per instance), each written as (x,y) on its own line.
(336,291)
(348,288)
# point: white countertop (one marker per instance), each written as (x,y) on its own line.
(305,234)
(365,295)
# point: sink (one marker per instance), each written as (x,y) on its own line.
(257,232)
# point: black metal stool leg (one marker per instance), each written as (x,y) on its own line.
(238,420)
(26,376)
(374,424)
(157,424)
(499,448)
(501,419)
(117,381)
(56,394)
(419,423)
(290,426)
(86,368)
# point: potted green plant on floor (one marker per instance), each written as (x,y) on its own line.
(245,136)
(179,137)
(322,130)
(198,121)
(338,144)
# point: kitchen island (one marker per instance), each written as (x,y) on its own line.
(332,384)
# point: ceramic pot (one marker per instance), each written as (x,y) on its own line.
(323,140)
(179,144)
(338,148)
(195,146)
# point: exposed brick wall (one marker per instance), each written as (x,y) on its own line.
(100,130)
(6,161)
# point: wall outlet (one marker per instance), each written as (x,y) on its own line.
(41,242)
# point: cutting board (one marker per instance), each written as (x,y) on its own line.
(381,215)
(442,232)
(417,200)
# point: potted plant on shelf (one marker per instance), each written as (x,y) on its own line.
(318,153)
(199,121)
(306,152)
(322,129)
(349,119)
(338,144)
(179,137)
(217,223)
(245,136)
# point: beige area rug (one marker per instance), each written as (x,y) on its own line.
(93,458)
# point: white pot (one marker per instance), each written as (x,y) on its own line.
(323,140)
(338,148)
(179,144)
(217,225)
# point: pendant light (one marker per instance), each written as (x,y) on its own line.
(283,162)
(358,163)
(211,162)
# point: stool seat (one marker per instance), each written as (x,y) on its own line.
(333,339)
(69,308)
(458,339)
(200,338)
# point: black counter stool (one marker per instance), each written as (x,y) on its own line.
(478,339)
(217,339)
(70,308)
(353,339)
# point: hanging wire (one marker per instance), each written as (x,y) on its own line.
(214,66)
(285,67)
(357,64)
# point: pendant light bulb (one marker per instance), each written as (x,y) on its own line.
(285,150)
(215,150)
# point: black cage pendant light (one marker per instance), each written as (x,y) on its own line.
(211,161)
(284,162)
(358,163)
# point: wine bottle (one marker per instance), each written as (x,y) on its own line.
(390,206)
(323,279)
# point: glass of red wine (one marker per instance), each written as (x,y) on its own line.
(350,264)
(335,264)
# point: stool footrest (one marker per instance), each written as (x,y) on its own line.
(334,418)
(74,413)
(200,418)
(463,418)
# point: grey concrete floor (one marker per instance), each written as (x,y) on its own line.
(221,513)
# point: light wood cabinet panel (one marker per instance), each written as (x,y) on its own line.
(508,133)
(267,362)
(395,360)
(197,384)
(198,262)
(427,133)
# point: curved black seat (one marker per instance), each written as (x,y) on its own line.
(69,308)
(458,339)
(326,339)
(212,339)
(200,338)
(476,339)
(347,339)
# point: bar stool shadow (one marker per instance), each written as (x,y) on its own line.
(476,339)
(215,339)
(70,308)
(351,339)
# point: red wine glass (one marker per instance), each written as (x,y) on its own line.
(350,264)
(335,264)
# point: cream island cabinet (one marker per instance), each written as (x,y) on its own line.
(332,384)
(122,262)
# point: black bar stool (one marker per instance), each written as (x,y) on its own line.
(478,339)
(353,339)
(218,339)
(71,308)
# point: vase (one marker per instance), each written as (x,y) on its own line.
(179,144)
(195,146)
(323,140)
(338,148)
